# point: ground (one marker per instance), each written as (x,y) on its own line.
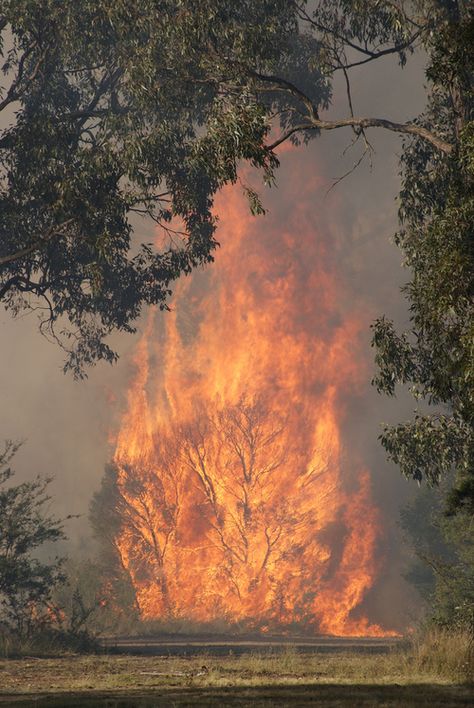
(229,675)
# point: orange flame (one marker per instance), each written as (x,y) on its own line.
(239,500)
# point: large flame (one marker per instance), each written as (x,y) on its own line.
(239,500)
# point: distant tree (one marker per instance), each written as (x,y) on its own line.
(94,600)
(26,582)
(112,580)
(114,109)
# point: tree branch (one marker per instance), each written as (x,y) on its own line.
(285,85)
(35,245)
(315,123)
(396,49)
(362,123)
(14,92)
(370,54)
(108,82)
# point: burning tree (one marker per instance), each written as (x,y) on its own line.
(234,457)
(218,518)
(249,404)
(211,494)
(149,508)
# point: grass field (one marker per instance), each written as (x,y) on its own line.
(291,677)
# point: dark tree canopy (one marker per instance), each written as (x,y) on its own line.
(113,109)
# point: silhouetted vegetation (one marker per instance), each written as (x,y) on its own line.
(442,568)
(31,619)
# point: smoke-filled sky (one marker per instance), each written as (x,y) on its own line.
(67,426)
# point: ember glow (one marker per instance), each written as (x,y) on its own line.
(240,500)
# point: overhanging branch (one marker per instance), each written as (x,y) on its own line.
(363,123)
(313,122)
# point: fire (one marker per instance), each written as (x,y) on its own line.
(239,498)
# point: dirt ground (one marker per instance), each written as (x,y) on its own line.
(292,677)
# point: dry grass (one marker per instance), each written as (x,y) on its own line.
(45,644)
(442,653)
(434,671)
(12,646)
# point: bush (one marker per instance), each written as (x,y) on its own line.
(31,619)
(26,583)
(45,642)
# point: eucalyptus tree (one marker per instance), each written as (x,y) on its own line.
(435,357)
(110,110)
(119,109)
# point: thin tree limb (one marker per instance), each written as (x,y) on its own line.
(362,123)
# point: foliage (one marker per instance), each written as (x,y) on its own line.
(436,356)
(120,109)
(26,583)
(442,568)
(118,114)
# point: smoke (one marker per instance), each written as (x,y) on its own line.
(67,425)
